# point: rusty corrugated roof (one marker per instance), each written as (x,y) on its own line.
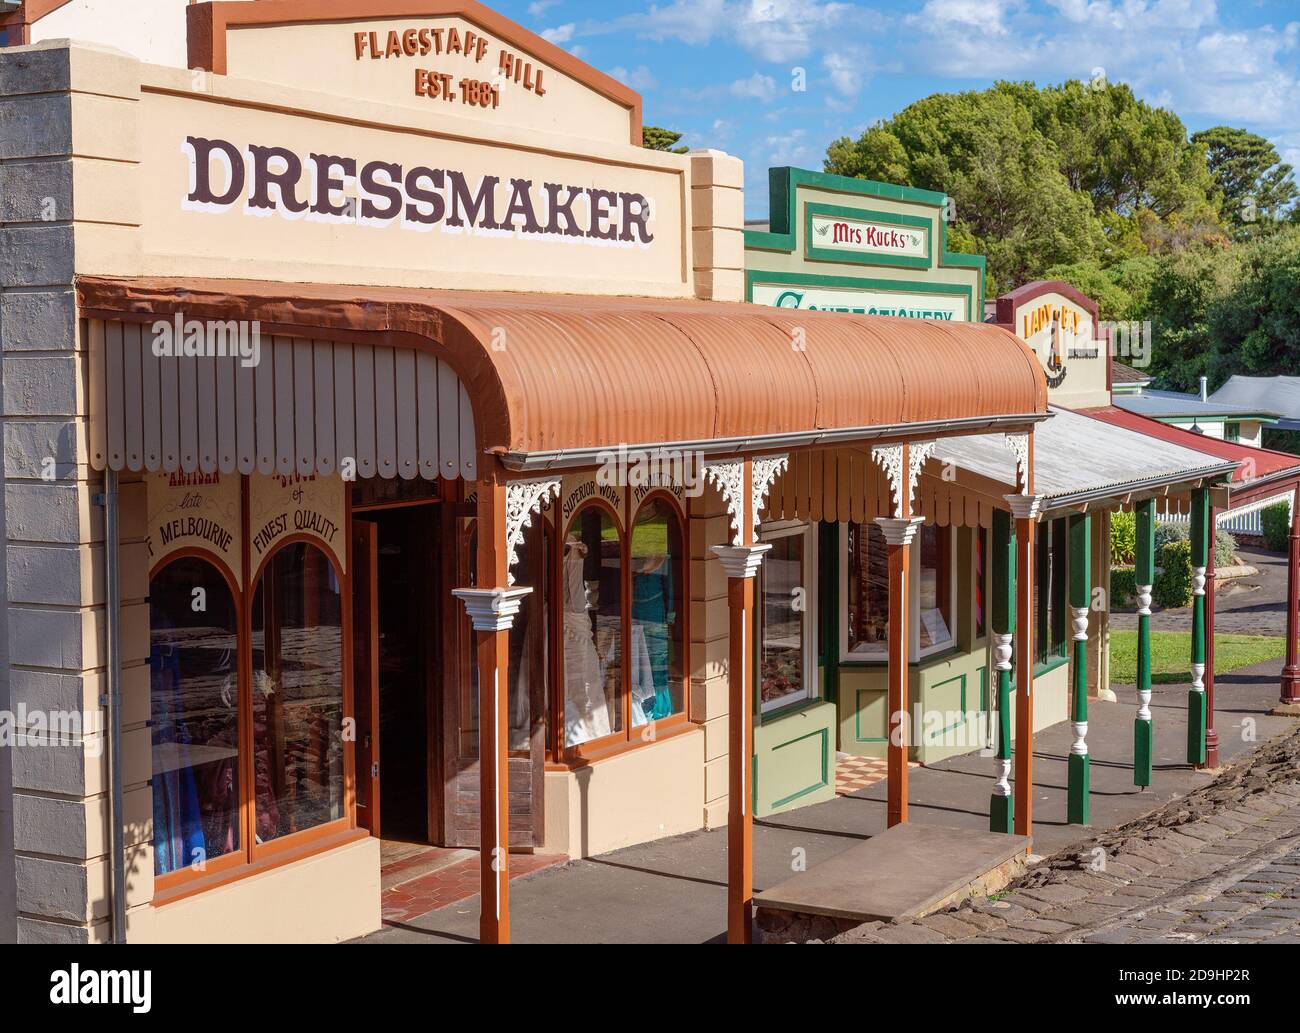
(548,374)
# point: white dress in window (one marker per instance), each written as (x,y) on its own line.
(586,715)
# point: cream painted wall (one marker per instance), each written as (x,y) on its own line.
(648,793)
(152,30)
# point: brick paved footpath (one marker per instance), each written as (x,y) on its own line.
(1221,865)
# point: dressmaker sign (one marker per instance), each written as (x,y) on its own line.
(195,511)
(282,506)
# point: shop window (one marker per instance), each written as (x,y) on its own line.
(1050,583)
(934,631)
(528,635)
(194,712)
(591,597)
(297,694)
(1232,432)
(785,599)
(865,573)
(657,651)
(981,581)
(868,594)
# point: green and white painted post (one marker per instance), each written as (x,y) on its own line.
(1200,559)
(1145,576)
(1001,810)
(1079,789)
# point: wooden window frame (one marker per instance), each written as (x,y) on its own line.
(559,756)
(812,690)
(252,858)
(915,652)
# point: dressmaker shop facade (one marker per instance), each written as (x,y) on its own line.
(400,462)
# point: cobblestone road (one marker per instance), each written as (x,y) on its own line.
(1221,865)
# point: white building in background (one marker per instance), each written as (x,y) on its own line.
(152,30)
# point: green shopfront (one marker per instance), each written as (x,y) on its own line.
(836,244)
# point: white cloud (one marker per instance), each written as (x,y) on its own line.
(540,7)
(757,87)
(846,69)
(559,34)
(639,78)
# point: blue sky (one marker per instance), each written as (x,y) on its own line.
(723,71)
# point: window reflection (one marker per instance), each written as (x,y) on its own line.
(868,590)
(592,605)
(194,710)
(297,693)
(658,675)
(782,586)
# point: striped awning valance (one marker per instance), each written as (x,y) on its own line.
(305,406)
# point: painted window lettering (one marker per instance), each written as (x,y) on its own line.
(272,180)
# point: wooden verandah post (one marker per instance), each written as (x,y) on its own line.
(1290,693)
(492,607)
(1196,723)
(1079,774)
(1004,626)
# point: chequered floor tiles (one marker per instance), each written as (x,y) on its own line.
(853,774)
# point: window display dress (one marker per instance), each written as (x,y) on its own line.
(586,715)
(652,599)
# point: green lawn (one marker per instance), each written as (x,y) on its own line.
(1171,657)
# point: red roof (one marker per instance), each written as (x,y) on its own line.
(1254,462)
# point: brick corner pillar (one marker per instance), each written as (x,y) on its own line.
(1196,694)
(1004,626)
(898,533)
(1079,773)
(492,612)
(1145,572)
(1025,508)
(1290,696)
(741,563)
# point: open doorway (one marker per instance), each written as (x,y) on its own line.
(396,658)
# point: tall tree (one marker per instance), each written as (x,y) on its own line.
(654,138)
(1257,186)
(1047,177)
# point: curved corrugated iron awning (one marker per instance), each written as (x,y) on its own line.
(553,378)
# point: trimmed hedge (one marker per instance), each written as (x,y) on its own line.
(1173,587)
(1277,526)
(1123,539)
(1123,587)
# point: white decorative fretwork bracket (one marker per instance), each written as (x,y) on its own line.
(523,499)
(763,474)
(1019,446)
(890,460)
(728,477)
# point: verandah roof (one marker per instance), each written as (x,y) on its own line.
(552,379)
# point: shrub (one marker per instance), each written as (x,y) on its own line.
(1123,538)
(1123,587)
(1225,550)
(1173,587)
(1166,533)
(1277,526)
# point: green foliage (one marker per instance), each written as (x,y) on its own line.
(1173,587)
(1166,533)
(1081,176)
(1123,587)
(1225,549)
(1123,539)
(653,138)
(1258,188)
(1277,526)
(1171,655)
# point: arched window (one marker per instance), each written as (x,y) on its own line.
(657,651)
(591,631)
(194,711)
(297,693)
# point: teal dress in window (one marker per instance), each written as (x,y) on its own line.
(652,609)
